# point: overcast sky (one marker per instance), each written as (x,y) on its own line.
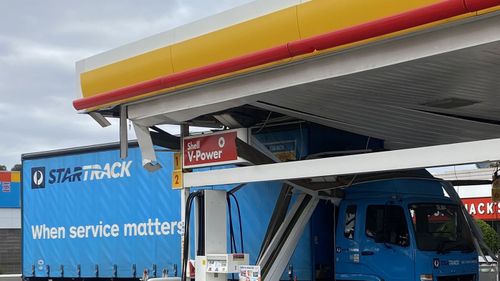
(40,41)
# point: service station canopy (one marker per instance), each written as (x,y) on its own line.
(424,76)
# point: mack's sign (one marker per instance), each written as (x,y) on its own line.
(482,208)
(210,149)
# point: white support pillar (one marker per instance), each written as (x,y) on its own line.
(281,231)
(184,191)
(278,266)
(123,132)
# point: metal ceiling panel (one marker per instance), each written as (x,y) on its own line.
(402,102)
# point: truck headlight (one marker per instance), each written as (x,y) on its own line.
(488,268)
(425,277)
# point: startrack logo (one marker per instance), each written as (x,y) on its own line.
(80,173)
(38,177)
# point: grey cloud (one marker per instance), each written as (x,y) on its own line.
(6,49)
(112,23)
(39,44)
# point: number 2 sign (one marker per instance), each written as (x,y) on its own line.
(177,173)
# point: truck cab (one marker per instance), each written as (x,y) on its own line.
(396,228)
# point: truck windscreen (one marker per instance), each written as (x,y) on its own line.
(440,227)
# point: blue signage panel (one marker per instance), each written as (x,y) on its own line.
(10,190)
(95,209)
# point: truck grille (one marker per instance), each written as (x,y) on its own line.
(469,277)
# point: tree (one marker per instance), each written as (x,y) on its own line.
(490,236)
(17,167)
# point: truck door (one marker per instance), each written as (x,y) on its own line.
(346,244)
(385,249)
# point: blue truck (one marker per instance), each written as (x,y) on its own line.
(87,214)
(403,229)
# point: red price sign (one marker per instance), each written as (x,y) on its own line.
(207,150)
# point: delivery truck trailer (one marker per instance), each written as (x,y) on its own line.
(87,214)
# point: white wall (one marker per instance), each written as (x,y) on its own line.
(10,218)
(473,191)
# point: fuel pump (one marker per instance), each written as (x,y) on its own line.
(212,262)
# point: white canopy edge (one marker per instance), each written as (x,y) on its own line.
(422,157)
